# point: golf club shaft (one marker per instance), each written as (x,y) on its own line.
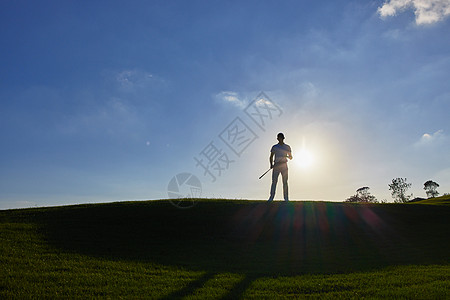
(264,173)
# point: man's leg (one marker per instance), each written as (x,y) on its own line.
(284,176)
(275,174)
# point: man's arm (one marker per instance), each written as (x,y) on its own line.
(289,155)
(271,159)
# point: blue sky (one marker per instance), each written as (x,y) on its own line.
(109,100)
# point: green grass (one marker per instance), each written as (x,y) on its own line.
(225,249)
(443,200)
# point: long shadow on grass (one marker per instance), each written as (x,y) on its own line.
(254,238)
(191,287)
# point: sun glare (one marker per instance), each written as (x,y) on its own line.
(304,158)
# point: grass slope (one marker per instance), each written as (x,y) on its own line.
(222,248)
(443,200)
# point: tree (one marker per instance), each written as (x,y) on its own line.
(398,189)
(430,188)
(362,196)
(365,196)
(352,199)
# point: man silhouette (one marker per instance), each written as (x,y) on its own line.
(281,152)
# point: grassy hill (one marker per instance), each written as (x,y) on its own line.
(443,200)
(225,248)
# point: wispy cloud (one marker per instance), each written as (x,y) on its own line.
(426,11)
(132,77)
(231,98)
(431,138)
(133,80)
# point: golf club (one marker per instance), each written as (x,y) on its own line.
(264,173)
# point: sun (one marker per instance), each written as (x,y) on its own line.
(304,158)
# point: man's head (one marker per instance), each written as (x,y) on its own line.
(280,137)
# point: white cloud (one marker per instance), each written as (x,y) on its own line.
(426,11)
(232,98)
(134,80)
(430,139)
(132,77)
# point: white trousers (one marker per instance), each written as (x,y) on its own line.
(277,169)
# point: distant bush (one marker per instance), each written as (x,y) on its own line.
(362,196)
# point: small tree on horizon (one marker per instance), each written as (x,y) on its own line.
(398,189)
(362,196)
(430,188)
